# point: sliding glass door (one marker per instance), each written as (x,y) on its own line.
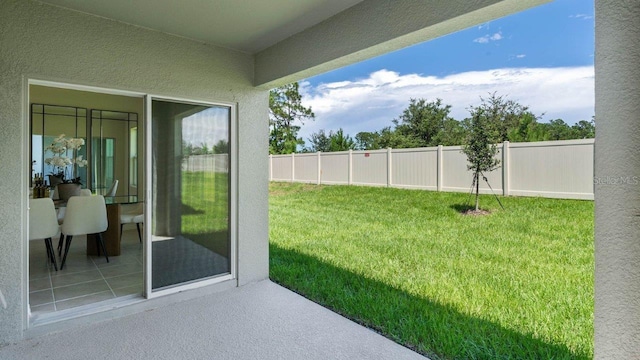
(190,194)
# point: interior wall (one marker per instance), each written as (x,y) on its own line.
(89,100)
(86,99)
(43,42)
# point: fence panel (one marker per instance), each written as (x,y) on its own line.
(335,168)
(306,167)
(281,168)
(557,169)
(415,168)
(370,167)
(552,169)
(218,162)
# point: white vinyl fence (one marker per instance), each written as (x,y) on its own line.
(208,163)
(554,169)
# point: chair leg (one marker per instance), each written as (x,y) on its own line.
(139,235)
(102,245)
(121,225)
(52,255)
(46,245)
(60,243)
(66,251)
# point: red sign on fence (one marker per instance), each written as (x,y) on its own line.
(366,154)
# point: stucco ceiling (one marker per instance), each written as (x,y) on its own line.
(244,25)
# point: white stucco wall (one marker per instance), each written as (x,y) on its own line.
(49,43)
(617,204)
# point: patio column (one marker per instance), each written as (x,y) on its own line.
(617,181)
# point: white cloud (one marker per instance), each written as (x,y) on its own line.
(206,127)
(521,56)
(371,103)
(487,38)
(581,16)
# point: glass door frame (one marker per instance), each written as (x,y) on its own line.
(233,198)
(58,84)
(146,149)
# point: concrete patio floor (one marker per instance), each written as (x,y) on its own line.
(256,321)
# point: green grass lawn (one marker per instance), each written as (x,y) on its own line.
(515,284)
(205,210)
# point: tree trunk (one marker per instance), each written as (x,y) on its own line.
(477,175)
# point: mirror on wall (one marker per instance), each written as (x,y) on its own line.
(47,123)
(112,152)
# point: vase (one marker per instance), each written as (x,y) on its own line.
(54,180)
(65,191)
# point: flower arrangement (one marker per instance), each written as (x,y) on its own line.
(62,163)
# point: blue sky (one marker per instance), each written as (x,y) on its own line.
(542,57)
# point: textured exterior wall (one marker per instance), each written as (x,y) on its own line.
(44,42)
(617,214)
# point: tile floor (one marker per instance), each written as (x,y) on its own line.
(85,279)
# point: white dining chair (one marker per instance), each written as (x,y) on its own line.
(43,224)
(85,215)
(61,211)
(132,215)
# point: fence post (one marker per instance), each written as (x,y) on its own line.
(350,166)
(389,180)
(439,168)
(319,168)
(270,167)
(293,167)
(505,168)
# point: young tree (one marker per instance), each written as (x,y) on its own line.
(480,146)
(285,109)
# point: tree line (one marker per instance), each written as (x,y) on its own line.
(422,124)
(221,147)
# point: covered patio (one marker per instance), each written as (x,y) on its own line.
(257,321)
(231,54)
